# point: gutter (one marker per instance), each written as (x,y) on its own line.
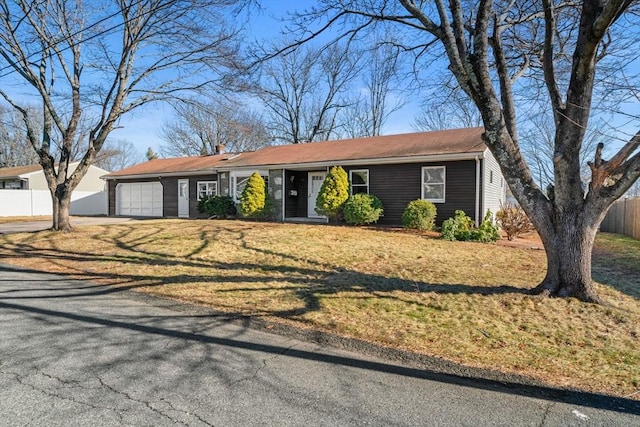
(159,175)
(477,159)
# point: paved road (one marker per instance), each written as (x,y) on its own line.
(73,353)
(29,226)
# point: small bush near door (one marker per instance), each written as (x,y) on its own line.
(362,209)
(420,215)
(333,193)
(217,206)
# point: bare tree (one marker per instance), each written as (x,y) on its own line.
(118,154)
(305,90)
(15,149)
(367,115)
(447,109)
(95,62)
(202,128)
(557,47)
(538,145)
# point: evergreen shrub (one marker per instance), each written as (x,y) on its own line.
(420,215)
(362,209)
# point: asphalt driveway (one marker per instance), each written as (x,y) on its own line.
(30,226)
(76,353)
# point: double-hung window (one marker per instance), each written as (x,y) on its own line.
(433,183)
(359,180)
(207,189)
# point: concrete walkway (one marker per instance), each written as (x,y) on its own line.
(76,353)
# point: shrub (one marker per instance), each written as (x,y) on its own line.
(461,227)
(217,206)
(362,209)
(513,220)
(419,214)
(253,196)
(333,193)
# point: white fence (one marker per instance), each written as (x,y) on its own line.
(38,202)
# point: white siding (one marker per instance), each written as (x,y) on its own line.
(493,185)
(91,181)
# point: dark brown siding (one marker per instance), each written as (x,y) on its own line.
(169,193)
(397,185)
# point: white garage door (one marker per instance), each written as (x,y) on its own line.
(139,199)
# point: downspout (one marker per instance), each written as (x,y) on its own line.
(284,194)
(477,158)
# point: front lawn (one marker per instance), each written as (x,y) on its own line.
(465,302)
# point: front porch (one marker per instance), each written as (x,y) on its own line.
(295,193)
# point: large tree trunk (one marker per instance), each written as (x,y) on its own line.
(568,243)
(61,199)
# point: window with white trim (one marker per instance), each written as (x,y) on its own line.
(433,183)
(239,182)
(359,181)
(207,189)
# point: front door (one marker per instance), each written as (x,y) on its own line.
(183,198)
(315,183)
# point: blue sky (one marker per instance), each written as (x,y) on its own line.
(142,126)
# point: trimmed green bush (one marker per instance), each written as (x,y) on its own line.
(333,193)
(362,209)
(462,228)
(217,206)
(419,214)
(253,196)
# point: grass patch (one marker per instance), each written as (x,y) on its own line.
(461,301)
(10,219)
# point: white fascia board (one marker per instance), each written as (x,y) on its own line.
(364,162)
(160,175)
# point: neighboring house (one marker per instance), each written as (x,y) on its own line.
(32,178)
(24,192)
(451,168)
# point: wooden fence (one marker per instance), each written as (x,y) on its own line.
(623,218)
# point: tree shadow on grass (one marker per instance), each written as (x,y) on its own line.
(308,280)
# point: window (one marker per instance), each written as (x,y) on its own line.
(240,182)
(207,189)
(490,177)
(433,180)
(359,180)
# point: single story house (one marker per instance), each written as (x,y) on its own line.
(32,178)
(452,168)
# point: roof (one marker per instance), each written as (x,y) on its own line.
(403,147)
(18,171)
(388,147)
(171,166)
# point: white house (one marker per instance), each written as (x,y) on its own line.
(24,192)
(32,178)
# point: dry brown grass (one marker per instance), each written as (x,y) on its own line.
(465,302)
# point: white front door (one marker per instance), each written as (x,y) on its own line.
(183,198)
(315,183)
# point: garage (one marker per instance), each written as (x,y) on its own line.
(139,199)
